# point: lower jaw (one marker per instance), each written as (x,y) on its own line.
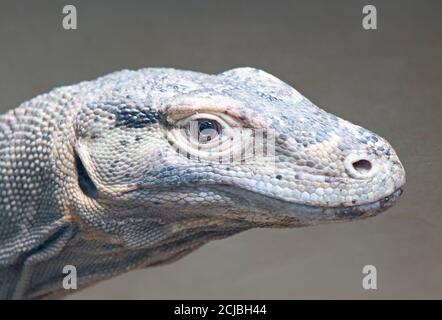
(309,215)
(294,214)
(365,210)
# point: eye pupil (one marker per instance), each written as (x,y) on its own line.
(207,130)
(205,125)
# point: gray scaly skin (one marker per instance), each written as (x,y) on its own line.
(111,175)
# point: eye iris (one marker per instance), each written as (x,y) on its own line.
(207,130)
(205,125)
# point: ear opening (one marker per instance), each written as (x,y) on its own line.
(85,182)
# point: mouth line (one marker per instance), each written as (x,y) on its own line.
(302,213)
(308,213)
(368,209)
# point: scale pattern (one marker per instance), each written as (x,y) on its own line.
(109,175)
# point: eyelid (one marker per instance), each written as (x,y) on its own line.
(177,113)
(226,122)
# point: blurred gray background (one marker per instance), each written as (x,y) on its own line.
(388,80)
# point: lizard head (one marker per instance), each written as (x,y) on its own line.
(236,150)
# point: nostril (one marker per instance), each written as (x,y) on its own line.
(362,166)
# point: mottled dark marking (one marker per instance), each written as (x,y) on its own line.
(114,163)
(279,177)
(242,116)
(361,131)
(134,117)
(310,164)
(268,97)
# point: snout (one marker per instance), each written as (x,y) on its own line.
(377,169)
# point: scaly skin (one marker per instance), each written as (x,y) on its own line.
(119,173)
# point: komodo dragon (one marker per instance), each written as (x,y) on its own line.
(139,168)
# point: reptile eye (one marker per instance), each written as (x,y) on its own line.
(208,136)
(205,130)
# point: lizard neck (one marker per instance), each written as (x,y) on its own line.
(32,217)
